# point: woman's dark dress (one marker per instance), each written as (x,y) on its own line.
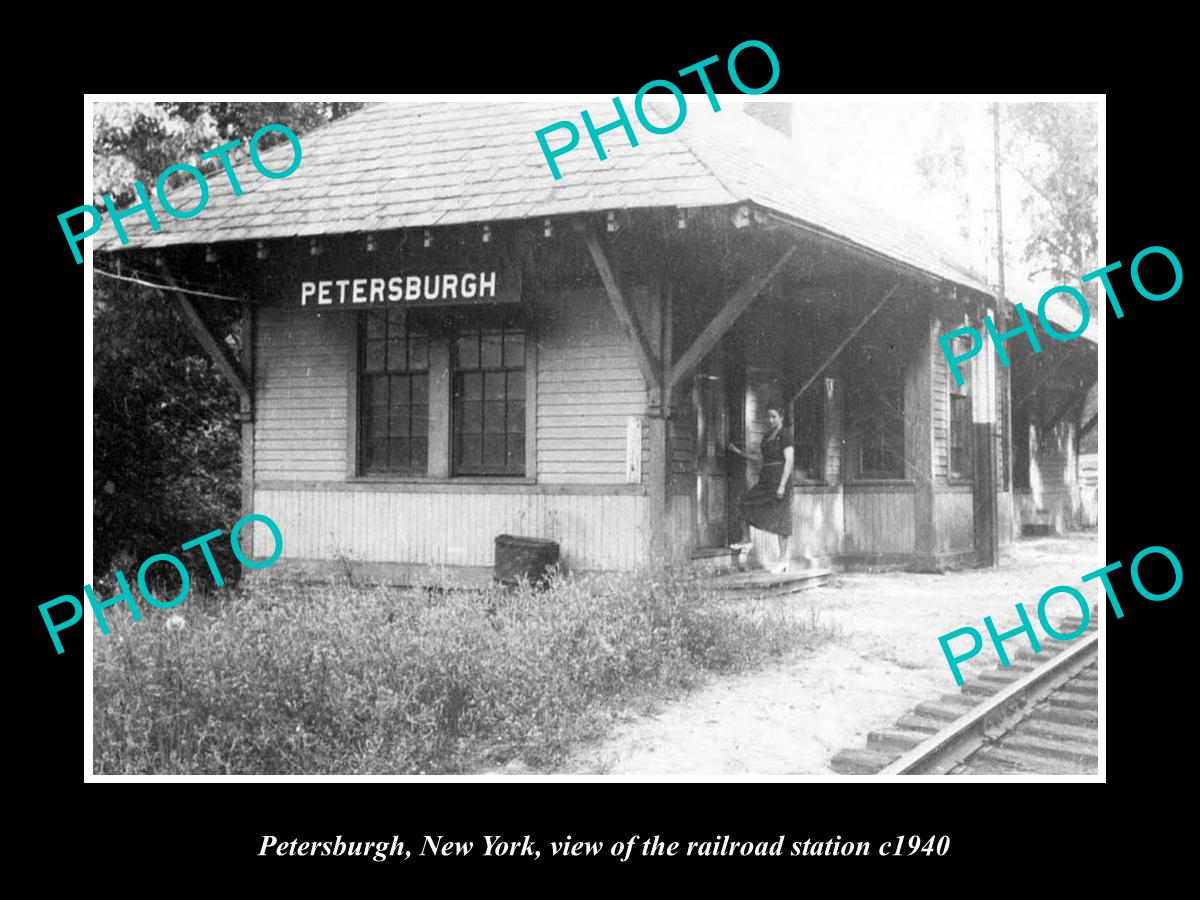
(760,507)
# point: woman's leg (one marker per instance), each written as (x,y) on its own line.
(784,563)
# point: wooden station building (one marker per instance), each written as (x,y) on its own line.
(443,344)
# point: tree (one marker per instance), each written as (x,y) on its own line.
(1052,148)
(166,461)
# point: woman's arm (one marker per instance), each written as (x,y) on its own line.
(739,451)
(789,456)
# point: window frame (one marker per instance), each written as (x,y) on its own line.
(362,340)
(962,394)
(458,467)
(858,420)
(443,327)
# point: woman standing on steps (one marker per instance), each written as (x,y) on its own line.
(768,505)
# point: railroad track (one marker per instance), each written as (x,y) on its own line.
(1038,715)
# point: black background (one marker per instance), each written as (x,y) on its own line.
(1014,835)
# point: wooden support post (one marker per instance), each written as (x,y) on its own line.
(921,453)
(983,413)
(723,321)
(844,344)
(246,410)
(211,345)
(438,458)
(646,358)
(658,435)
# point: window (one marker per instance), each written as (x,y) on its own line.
(881,433)
(489,401)
(960,436)
(809,419)
(393,395)
(961,467)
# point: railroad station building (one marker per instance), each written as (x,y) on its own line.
(443,344)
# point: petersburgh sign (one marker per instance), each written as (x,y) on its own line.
(436,289)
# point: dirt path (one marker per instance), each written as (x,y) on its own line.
(791,718)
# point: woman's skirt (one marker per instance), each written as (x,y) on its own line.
(762,509)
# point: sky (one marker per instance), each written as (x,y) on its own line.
(871,149)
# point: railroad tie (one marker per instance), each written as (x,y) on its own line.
(860,762)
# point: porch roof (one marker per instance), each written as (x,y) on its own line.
(395,165)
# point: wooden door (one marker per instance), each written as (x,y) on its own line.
(712,460)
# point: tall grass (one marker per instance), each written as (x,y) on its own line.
(277,677)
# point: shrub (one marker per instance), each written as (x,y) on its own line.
(283,678)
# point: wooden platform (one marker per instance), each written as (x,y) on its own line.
(765,583)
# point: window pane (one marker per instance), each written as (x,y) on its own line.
(420,455)
(472,386)
(493,452)
(375,424)
(468,351)
(398,456)
(399,420)
(516,418)
(420,389)
(514,350)
(472,450)
(376,391)
(395,320)
(489,351)
(395,353)
(374,356)
(493,418)
(493,386)
(399,390)
(375,324)
(376,455)
(516,453)
(419,417)
(470,419)
(516,385)
(418,353)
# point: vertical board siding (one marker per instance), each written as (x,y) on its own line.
(681,526)
(817,523)
(300,395)
(1008,528)
(955,511)
(454,529)
(879,522)
(589,384)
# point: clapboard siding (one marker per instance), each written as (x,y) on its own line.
(879,522)
(589,385)
(454,529)
(302,368)
(941,411)
(954,510)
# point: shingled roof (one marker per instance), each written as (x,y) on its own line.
(424,165)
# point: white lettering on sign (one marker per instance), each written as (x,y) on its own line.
(452,287)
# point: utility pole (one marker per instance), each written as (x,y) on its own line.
(984,402)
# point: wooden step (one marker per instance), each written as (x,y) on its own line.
(766,583)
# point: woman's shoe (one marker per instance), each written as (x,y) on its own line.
(780,568)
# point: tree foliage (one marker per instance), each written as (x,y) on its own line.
(1052,149)
(166,457)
